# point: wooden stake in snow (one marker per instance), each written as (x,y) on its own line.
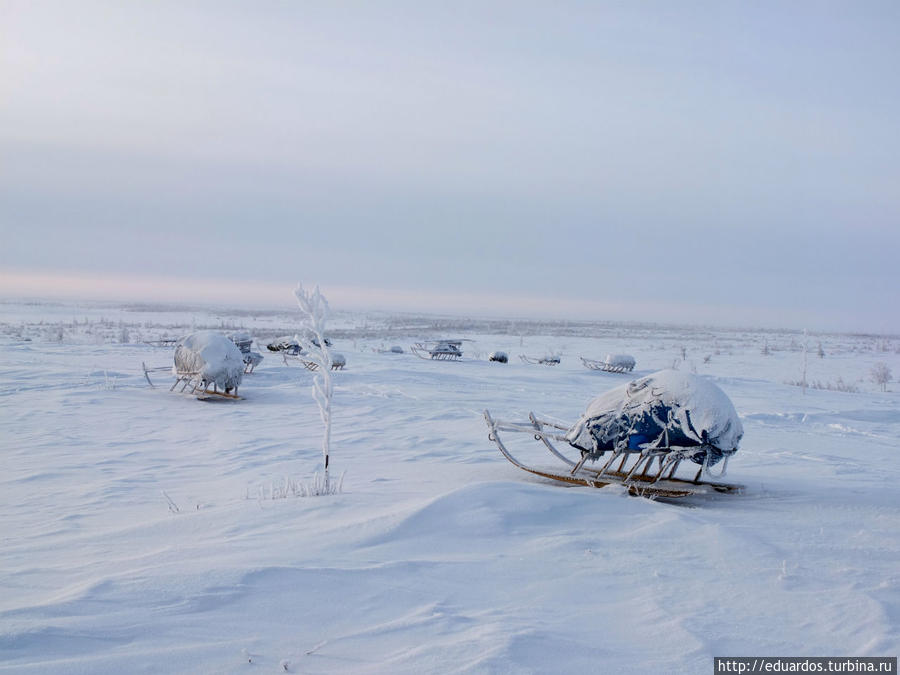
(314,308)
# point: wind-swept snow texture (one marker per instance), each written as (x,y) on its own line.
(212,356)
(665,409)
(138,533)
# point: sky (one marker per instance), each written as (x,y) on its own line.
(689,162)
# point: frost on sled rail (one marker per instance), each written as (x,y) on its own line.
(638,436)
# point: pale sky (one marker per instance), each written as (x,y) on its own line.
(690,162)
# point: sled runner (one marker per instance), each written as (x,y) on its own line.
(544,360)
(439,350)
(614,363)
(638,436)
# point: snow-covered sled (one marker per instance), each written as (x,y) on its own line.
(207,364)
(613,363)
(338,361)
(440,350)
(643,432)
(550,360)
(244,342)
(291,345)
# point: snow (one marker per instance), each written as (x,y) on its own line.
(212,356)
(439,556)
(700,413)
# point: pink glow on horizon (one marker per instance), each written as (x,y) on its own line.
(40,285)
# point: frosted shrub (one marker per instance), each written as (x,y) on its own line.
(881,374)
(314,309)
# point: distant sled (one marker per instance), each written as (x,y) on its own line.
(438,350)
(207,365)
(338,361)
(244,342)
(543,360)
(162,342)
(641,433)
(613,363)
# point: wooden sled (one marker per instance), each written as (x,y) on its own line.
(199,388)
(438,350)
(543,360)
(608,367)
(632,469)
(336,364)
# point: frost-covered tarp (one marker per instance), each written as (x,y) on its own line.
(665,409)
(212,356)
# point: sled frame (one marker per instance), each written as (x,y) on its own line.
(306,363)
(542,361)
(432,351)
(594,364)
(198,386)
(631,468)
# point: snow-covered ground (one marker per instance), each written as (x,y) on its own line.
(139,533)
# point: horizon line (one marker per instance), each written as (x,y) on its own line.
(29,285)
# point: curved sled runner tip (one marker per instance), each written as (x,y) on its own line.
(631,469)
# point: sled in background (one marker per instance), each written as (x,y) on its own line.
(162,342)
(244,342)
(439,350)
(338,361)
(613,363)
(291,345)
(543,360)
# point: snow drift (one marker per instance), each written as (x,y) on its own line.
(213,357)
(665,409)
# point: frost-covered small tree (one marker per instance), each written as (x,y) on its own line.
(881,374)
(314,308)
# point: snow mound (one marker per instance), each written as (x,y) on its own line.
(665,409)
(212,356)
